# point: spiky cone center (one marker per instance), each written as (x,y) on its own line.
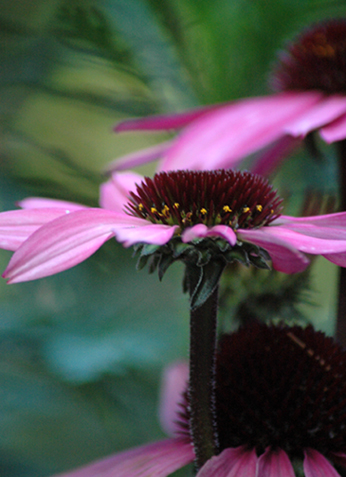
(187,198)
(316,60)
(280,386)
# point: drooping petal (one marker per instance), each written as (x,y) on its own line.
(232,462)
(223,137)
(326,110)
(274,464)
(201,230)
(284,256)
(63,243)
(316,465)
(174,383)
(138,158)
(114,193)
(327,220)
(165,121)
(159,459)
(17,225)
(43,203)
(335,131)
(156,234)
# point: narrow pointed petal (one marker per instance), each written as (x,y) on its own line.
(138,158)
(274,464)
(232,462)
(42,203)
(155,234)
(275,154)
(115,192)
(316,465)
(165,121)
(284,256)
(335,131)
(159,459)
(222,138)
(174,383)
(17,225)
(325,111)
(327,220)
(63,243)
(201,230)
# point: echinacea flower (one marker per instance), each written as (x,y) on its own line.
(310,85)
(235,215)
(280,411)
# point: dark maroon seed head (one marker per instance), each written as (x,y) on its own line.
(280,386)
(186,198)
(315,60)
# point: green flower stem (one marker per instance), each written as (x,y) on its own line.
(341,312)
(203,321)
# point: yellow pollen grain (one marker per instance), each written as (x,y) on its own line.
(153,210)
(176,205)
(203,211)
(246,209)
(140,207)
(165,211)
(187,217)
(226,208)
(259,208)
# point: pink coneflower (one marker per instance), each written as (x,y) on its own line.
(280,411)
(310,83)
(235,215)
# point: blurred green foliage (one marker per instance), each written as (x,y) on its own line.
(81,352)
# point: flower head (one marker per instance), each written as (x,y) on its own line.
(310,83)
(179,215)
(280,409)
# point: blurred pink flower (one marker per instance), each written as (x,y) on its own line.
(264,418)
(309,79)
(51,236)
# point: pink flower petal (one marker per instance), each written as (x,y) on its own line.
(274,464)
(159,459)
(115,192)
(222,137)
(40,203)
(316,465)
(138,158)
(336,258)
(201,230)
(327,220)
(232,462)
(165,121)
(155,234)
(284,256)
(174,383)
(335,131)
(63,243)
(326,110)
(17,225)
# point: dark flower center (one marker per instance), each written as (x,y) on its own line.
(283,387)
(315,60)
(186,198)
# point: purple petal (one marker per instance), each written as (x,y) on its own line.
(326,110)
(274,155)
(174,383)
(274,464)
(115,192)
(43,203)
(165,121)
(156,234)
(201,230)
(63,243)
(232,462)
(336,258)
(335,131)
(316,465)
(17,225)
(284,256)
(138,158)
(334,220)
(159,459)
(221,138)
